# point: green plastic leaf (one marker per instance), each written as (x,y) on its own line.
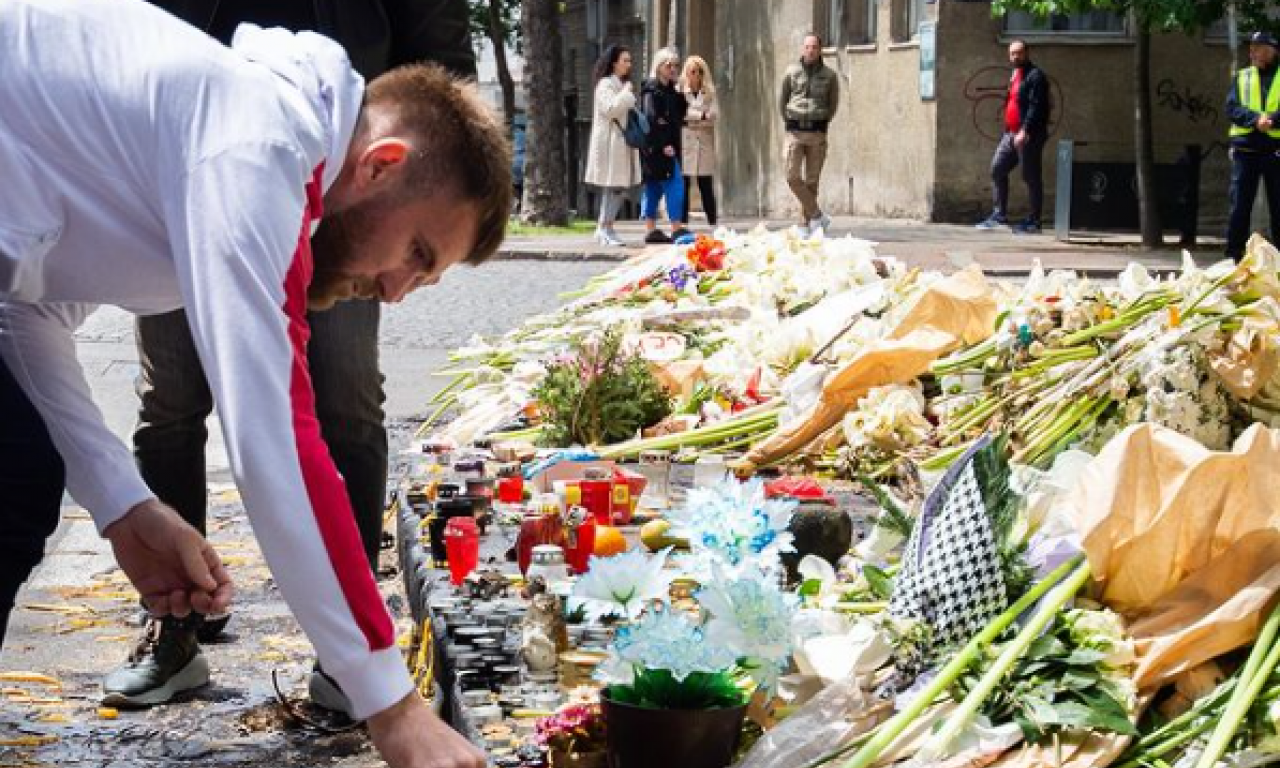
(881,583)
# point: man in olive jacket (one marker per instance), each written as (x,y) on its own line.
(808,100)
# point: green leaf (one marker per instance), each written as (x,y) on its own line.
(1046,646)
(658,689)
(1080,680)
(881,583)
(1084,657)
(1100,713)
(811,588)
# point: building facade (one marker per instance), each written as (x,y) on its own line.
(922,90)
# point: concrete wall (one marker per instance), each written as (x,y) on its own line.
(881,143)
(894,155)
(1093,102)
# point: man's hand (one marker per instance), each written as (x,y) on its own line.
(169,562)
(409,735)
(1020,140)
(1265,122)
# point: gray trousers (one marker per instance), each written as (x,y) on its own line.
(1006,158)
(170,438)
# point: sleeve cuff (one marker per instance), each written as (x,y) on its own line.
(114,502)
(375,682)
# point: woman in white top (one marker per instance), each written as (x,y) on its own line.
(611,164)
(699,140)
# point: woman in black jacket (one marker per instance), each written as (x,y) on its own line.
(660,160)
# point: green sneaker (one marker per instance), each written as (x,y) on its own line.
(166,662)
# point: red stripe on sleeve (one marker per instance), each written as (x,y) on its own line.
(326,489)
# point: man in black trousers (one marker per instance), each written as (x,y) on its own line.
(1026,130)
(1253,109)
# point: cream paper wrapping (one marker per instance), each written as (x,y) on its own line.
(957,311)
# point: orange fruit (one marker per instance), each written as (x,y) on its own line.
(609,541)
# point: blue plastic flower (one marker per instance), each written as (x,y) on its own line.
(732,525)
(751,617)
(670,640)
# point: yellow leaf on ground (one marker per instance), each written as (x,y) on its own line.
(108,713)
(55,717)
(27,741)
(29,677)
(64,609)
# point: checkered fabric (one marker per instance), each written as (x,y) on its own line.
(950,577)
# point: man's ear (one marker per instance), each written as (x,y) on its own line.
(381,160)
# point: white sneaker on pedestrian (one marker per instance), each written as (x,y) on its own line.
(610,238)
(820,222)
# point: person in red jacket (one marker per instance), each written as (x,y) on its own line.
(1026,130)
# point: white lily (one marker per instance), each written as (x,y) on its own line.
(621,585)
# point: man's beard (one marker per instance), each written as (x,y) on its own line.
(337,247)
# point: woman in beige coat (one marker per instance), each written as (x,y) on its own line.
(611,164)
(699,140)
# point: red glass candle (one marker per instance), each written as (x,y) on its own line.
(462,547)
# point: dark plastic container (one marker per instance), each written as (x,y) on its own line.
(689,738)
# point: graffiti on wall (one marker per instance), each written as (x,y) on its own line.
(1181,99)
(985,90)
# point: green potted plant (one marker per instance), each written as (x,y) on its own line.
(598,394)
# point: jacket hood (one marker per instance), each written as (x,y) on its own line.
(320,72)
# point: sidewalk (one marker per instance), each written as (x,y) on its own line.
(928,246)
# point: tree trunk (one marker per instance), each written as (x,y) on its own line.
(498,36)
(546,201)
(1144,144)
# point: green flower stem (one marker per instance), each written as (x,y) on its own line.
(1257,670)
(960,718)
(1121,322)
(1043,365)
(961,662)
(943,459)
(444,405)
(1088,420)
(1200,709)
(531,433)
(1220,282)
(749,422)
(861,608)
(1040,441)
(458,381)
(965,359)
(1186,727)
(732,445)
(978,414)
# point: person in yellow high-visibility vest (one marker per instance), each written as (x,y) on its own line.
(1253,108)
